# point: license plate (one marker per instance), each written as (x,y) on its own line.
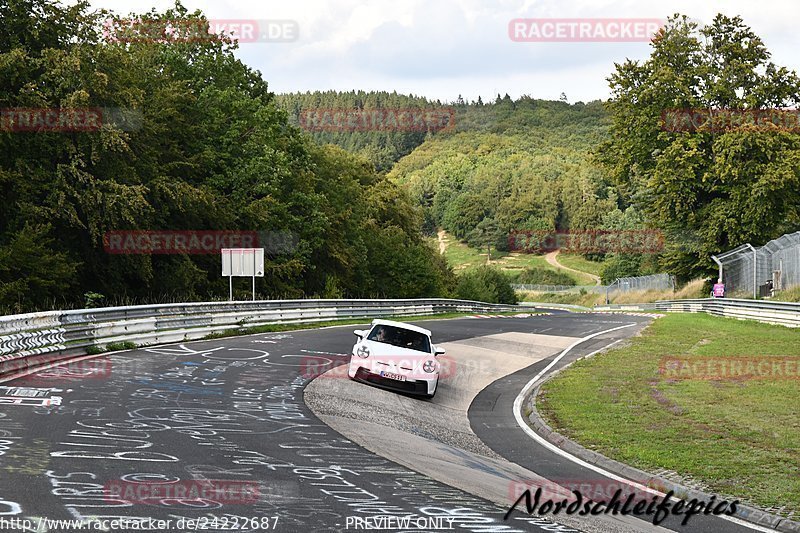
(389,375)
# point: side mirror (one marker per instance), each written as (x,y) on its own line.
(438,351)
(360,333)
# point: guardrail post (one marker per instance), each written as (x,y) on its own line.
(718,262)
(755,271)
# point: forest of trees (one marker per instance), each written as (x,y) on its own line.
(479,184)
(508,165)
(529,164)
(381,148)
(213,152)
(216,150)
(522,165)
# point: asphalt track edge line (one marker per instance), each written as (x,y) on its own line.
(555,449)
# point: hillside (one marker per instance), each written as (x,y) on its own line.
(523,164)
(480,185)
(382,148)
(504,115)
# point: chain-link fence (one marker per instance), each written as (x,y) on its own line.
(755,272)
(655,282)
(557,288)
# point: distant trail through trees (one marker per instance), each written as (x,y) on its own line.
(551,258)
(442,243)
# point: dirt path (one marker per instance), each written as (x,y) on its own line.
(442,244)
(551,258)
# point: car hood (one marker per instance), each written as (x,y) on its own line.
(387,358)
(383,350)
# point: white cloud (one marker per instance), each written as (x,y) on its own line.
(442,48)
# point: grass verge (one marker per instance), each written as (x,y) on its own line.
(736,437)
(790,295)
(586,299)
(463,257)
(578,262)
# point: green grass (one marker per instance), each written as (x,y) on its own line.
(578,262)
(738,437)
(542,276)
(789,295)
(586,299)
(462,257)
(110,347)
(519,262)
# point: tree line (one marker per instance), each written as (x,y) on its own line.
(211,151)
(682,147)
(709,187)
(211,148)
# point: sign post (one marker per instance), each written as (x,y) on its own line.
(242,262)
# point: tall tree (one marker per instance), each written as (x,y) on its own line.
(708,188)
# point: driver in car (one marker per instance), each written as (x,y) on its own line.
(380,335)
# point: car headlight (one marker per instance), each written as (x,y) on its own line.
(363,351)
(429,366)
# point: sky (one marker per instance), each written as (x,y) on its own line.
(445,48)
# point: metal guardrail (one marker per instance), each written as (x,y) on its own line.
(784,313)
(36,339)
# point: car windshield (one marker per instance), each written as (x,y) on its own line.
(400,337)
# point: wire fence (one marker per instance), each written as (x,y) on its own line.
(755,272)
(655,282)
(558,288)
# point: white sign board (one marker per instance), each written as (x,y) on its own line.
(243,262)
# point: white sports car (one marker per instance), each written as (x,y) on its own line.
(396,356)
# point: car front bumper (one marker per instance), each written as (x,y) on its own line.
(421,387)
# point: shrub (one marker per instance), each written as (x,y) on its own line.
(93,299)
(116,346)
(543,276)
(620,266)
(485,284)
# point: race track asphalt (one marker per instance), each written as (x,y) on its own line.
(216,432)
